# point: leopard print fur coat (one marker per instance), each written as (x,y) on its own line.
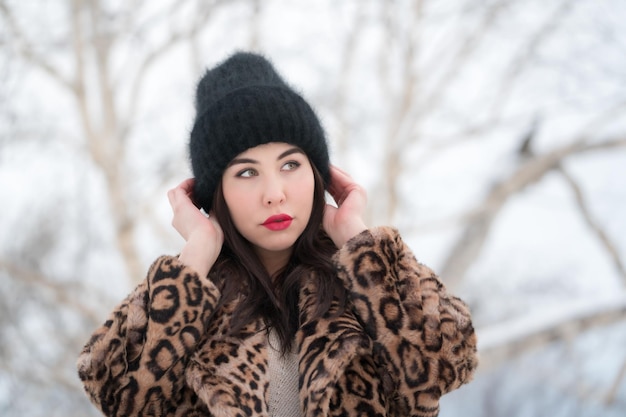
(402,343)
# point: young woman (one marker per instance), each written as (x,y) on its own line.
(278,304)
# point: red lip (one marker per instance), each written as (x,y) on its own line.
(278,222)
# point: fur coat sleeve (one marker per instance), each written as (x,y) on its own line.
(134,364)
(424,343)
(401,344)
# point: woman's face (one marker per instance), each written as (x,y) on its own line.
(269,193)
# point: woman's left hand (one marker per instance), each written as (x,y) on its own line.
(346,220)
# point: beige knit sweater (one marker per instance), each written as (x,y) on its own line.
(284,398)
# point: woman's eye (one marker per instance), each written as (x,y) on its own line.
(247,173)
(291,165)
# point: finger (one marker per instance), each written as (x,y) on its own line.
(339,170)
(187,185)
(329,215)
(216,225)
(341,184)
(178,196)
(334,192)
(340,179)
(170,196)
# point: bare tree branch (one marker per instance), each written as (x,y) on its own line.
(78,85)
(28,52)
(342,91)
(470,43)
(468,247)
(609,246)
(191,31)
(255,25)
(612,394)
(412,107)
(401,101)
(61,292)
(46,375)
(502,342)
(518,65)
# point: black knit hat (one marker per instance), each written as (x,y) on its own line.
(241,103)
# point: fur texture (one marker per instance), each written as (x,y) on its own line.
(402,343)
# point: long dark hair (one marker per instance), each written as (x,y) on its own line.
(275,298)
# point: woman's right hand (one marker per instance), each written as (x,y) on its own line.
(203,234)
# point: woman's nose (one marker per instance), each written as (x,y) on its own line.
(274,193)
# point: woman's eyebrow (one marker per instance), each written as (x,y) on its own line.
(242,161)
(254,161)
(289,152)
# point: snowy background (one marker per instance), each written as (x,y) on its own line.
(492,133)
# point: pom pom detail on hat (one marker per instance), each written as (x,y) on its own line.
(242,103)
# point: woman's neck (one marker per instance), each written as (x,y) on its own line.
(274,261)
